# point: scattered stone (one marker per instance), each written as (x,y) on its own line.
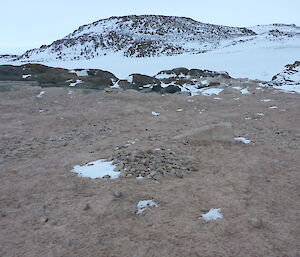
(118,194)
(178,174)
(256,223)
(87,207)
(153,164)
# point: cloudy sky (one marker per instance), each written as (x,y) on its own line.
(31,23)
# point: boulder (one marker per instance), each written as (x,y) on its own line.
(181,70)
(124,84)
(172,89)
(222,132)
(196,73)
(142,80)
(56,77)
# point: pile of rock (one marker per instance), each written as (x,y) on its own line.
(290,76)
(177,80)
(57,77)
(153,163)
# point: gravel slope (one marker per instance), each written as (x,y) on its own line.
(44,208)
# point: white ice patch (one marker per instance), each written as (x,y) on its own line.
(130,142)
(139,177)
(145,205)
(155,113)
(97,169)
(237,88)
(273,107)
(245,91)
(242,139)
(204,82)
(26,76)
(165,76)
(217,98)
(116,85)
(74,84)
(130,79)
(179,110)
(82,73)
(266,100)
(213,214)
(289,88)
(211,91)
(259,114)
(40,95)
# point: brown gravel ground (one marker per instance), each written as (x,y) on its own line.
(43,204)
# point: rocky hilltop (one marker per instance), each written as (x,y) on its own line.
(290,76)
(138,36)
(154,35)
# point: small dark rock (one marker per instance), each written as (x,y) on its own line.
(87,207)
(178,174)
(118,194)
(256,222)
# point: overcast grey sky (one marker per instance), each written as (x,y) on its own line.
(30,23)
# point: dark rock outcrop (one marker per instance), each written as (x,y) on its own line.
(56,77)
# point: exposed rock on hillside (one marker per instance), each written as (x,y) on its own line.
(138,36)
(291,74)
(53,77)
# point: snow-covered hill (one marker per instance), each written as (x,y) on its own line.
(139,36)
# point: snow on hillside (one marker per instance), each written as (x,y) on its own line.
(138,36)
(289,79)
(261,61)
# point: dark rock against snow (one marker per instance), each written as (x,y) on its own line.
(57,77)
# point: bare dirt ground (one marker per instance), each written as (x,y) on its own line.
(43,204)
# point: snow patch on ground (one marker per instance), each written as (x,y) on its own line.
(97,169)
(165,76)
(242,139)
(155,113)
(40,95)
(26,76)
(245,91)
(129,79)
(145,205)
(116,85)
(213,214)
(211,91)
(288,88)
(82,73)
(74,84)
